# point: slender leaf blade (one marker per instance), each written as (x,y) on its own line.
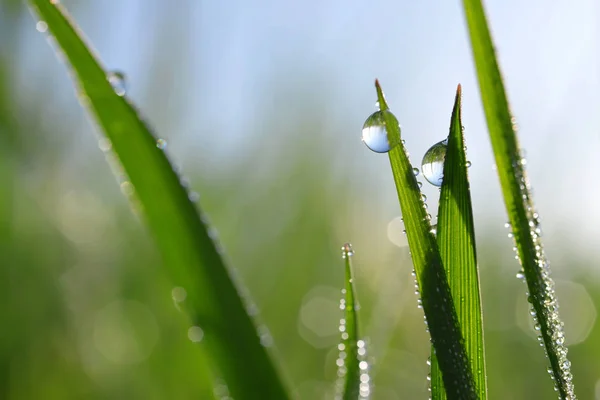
(431,277)
(524,220)
(212,296)
(349,362)
(456,241)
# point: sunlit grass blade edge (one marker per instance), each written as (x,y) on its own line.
(431,277)
(230,339)
(524,220)
(456,242)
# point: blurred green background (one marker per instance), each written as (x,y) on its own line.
(262,104)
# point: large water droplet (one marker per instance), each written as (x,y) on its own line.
(375,134)
(117,80)
(432,165)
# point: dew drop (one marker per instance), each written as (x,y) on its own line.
(375,134)
(41,26)
(161,144)
(179,294)
(117,81)
(415,171)
(347,250)
(432,165)
(195,334)
(468,164)
(434,229)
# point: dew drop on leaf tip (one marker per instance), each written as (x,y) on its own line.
(432,165)
(347,250)
(375,134)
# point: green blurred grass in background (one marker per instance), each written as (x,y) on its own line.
(86,307)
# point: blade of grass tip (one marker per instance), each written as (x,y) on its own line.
(353,373)
(524,220)
(210,290)
(431,277)
(456,241)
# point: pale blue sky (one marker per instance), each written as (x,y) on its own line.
(241,52)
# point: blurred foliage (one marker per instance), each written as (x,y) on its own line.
(86,308)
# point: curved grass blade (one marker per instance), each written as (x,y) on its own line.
(211,295)
(456,241)
(517,197)
(431,276)
(352,369)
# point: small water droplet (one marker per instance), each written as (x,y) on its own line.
(161,144)
(41,26)
(434,229)
(347,250)
(521,274)
(433,163)
(193,196)
(468,164)
(117,81)
(195,334)
(179,294)
(375,134)
(416,171)
(104,144)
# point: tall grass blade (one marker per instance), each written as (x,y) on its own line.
(524,220)
(204,283)
(431,277)
(456,241)
(353,375)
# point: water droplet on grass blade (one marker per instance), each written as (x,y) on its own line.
(41,26)
(195,334)
(347,250)
(375,134)
(161,144)
(117,81)
(432,165)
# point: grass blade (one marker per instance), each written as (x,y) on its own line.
(515,187)
(211,295)
(431,276)
(456,241)
(351,364)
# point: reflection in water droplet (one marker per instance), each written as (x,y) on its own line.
(161,144)
(432,165)
(195,334)
(117,80)
(375,134)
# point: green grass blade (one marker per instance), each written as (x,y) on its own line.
(230,338)
(431,276)
(456,241)
(351,364)
(515,187)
